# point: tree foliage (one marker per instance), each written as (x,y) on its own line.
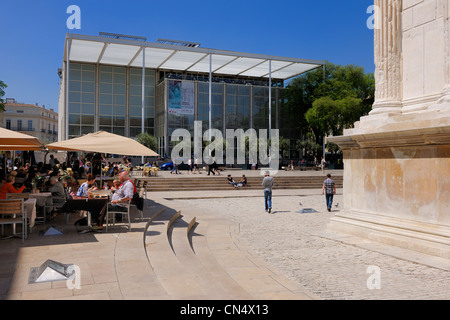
(333,99)
(2,93)
(147,140)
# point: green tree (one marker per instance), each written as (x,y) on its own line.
(147,140)
(338,96)
(309,146)
(2,93)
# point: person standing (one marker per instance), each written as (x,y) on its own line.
(268,184)
(329,189)
(322,164)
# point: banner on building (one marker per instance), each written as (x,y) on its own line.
(181,97)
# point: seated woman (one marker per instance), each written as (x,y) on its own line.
(8,187)
(89,185)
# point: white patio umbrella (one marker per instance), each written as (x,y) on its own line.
(16,141)
(104,142)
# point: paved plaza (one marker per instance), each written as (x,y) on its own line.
(236,252)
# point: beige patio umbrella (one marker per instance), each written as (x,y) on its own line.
(104,142)
(13,140)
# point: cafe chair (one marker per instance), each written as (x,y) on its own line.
(55,203)
(12,212)
(23,196)
(110,217)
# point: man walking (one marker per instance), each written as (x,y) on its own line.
(268,184)
(329,189)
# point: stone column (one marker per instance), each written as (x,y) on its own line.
(446,91)
(388,57)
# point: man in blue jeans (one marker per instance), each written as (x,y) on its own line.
(268,184)
(329,189)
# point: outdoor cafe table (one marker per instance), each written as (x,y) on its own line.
(95,207)
(42,198)
(29,206)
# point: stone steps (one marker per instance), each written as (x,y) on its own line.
(200,258)
(220,183)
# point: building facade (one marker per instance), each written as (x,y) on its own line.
(34,120)
(127,86)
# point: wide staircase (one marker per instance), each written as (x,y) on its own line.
(200,257)
(220,183)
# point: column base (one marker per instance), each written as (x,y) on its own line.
(427,238)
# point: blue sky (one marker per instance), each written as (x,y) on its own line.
(33,33)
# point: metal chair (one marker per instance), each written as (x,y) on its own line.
(56,202)
(111,215)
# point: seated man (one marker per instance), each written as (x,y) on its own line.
(57,190)
(123,193)
(231,181)
(243,182)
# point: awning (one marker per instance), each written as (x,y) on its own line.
(123,52)
(104,142)
(13,141)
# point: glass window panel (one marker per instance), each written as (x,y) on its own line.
(74,119)
(136,90)
(87,120)
(106,87)
(105,68)
(135,101)
(74,66)
(106,99)
(119,100)
(149,91)
(119,70)
(119,89)
(149,112)
(88,87)
(119,131)
(244,90)
(135,122)
(119,121)
(74,97)
(231,90)
(105,121)
(135,112)
(88,76)
(105,77)
(88,108)
(106,128)
(74,107)
(74,130)
(106,109)
(75,75)
(244,101)
(88,97)
(150,122)
(216,99)
(119,111)
(87,129)
(74,85)
(88,67)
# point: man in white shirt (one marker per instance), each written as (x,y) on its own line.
(122,194)
(268,184)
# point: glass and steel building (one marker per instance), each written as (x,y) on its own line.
(127,85)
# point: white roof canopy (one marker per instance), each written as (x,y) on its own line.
(122,52)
